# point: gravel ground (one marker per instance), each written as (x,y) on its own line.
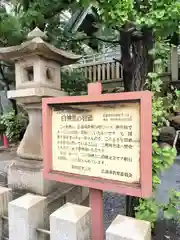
(114,204)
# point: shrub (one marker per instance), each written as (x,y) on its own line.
(74,82)
(13,126)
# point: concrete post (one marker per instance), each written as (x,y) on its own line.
(126,228)
(26,214)
(5,198)
(70,222)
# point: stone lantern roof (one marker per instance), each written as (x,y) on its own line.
(35,45)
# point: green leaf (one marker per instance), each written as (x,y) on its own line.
(170,213)
(152,75)
(156,180)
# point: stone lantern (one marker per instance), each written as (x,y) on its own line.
(37,72)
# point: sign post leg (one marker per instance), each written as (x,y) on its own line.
(5,140)
(97,216)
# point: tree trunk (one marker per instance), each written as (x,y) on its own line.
(7,88)
(136,64)
(135,59)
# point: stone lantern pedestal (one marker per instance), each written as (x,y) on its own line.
(37,66)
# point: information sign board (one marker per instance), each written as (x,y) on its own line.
(102,142)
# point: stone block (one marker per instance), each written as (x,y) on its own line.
(27,175)
(5,198)
(126,228)
(71,222)
(26,214)
(34,94)
(37,71)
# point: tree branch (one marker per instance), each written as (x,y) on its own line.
(117,60)
(4,83)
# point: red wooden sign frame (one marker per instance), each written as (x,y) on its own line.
(144,189)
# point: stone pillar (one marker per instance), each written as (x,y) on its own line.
(37,72)
(30,148)
(26,214)
(128,228)
(71,222)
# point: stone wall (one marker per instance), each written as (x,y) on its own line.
(24,218)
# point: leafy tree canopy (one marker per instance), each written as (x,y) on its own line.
(163,16)
(22,16)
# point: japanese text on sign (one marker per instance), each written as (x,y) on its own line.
(97,140)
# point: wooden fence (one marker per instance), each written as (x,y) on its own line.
(102,71)
(110,73)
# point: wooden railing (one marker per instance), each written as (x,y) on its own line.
(101,71)
(105,72)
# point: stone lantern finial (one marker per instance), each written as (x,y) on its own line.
(36,32)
